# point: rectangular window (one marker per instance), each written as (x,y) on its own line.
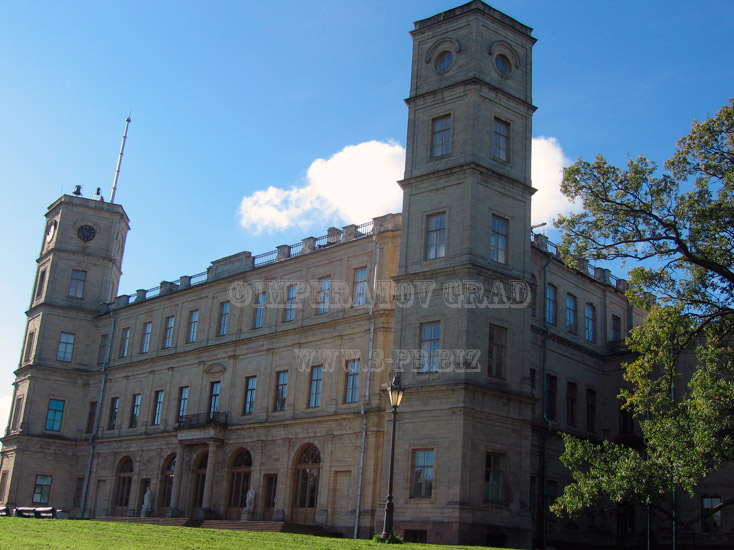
(183,401)
(157,407)
(441,136)
(124,342)
(501,144)
(193,326)
(430,346)
(214,398)
(76,285)
(114,406)
(626,421)
(290,304)
(712,522)
(323,296)
(436,236)
(42,489)
(104,346)
(590,322)
(223,319)
(422,474)
(54,415)
(591,410)
(17,414)
(314,393)
(250,387)
(135,411)
(550,304)
(66,347)
(360,286)
(493,478)
(168,332)
(145,341)
(571,315)
(551,389)
(497,349)
(351,392)
(498,241)
(91,414)
(571,392)
(259,317)
(616,328)
(40,284)
(29,346)
(281,390)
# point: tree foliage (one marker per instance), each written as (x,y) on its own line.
(677,228)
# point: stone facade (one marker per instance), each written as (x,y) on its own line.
(265,372)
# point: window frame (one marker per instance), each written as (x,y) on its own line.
(124,343)
(591,396)
(77,282)
(493,492)
(223,323)
(422,488)
(571,403)
(435,246)
(114,409)
(590,322)
(281,390)
(501,139)
(572,314)
(551,397)
(170,325)
(135,410)
(42,496)
(430,346)
(248,407)
(258,313)
(324,295)
(315,386)
(145,340)
(351,381)
(183,401)
(157,407)
(30,341)
(498,239)
(289,313)
(54,416)
(497,351)
(441,136)
(65,351)
(193,328)
(359,292)
(215,395)
(551,304)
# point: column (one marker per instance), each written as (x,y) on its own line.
(177,479)
(209,483)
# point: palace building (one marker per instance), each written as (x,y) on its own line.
(265,373)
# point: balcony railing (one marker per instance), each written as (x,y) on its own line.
(202,420)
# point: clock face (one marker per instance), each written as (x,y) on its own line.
(50,231)
(86,233)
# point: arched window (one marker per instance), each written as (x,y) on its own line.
(307,485)
(169,469)
(200,481)
(239,481)
(124,483)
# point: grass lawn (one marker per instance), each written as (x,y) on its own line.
(22,534)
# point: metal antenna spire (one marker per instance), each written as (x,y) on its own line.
(119,160)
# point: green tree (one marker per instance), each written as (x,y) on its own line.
(677,228)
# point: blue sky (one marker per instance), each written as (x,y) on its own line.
(229,99)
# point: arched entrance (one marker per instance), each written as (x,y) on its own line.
(239,483)
(306,491)
(124,485)
(199,483)
(166,490)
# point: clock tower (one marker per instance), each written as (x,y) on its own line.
(79,268)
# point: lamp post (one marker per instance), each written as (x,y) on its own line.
(395,391)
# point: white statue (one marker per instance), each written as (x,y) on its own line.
(146,503)
(250,501)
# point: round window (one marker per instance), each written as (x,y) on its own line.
(503,64)
(444,61)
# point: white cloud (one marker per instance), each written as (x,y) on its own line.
(352,186)
(547,173)
(359,183)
